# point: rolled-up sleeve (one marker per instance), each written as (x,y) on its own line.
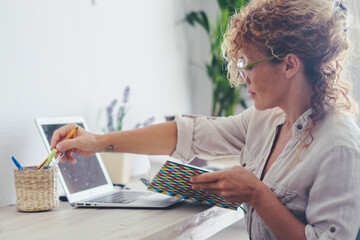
(209,138)
(185,127)
(335,196)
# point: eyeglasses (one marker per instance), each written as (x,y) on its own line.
(241,65)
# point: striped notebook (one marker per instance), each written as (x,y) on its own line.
(173,179)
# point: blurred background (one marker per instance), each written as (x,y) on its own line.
(69,58)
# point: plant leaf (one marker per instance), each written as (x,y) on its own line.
(200,18)
(225,98)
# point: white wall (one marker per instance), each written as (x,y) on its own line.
(62,58)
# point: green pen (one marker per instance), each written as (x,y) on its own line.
(49,159)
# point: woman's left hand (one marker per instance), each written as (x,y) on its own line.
(235,184)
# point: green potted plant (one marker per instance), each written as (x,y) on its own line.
(225,98)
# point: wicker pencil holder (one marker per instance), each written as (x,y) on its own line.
(36,190)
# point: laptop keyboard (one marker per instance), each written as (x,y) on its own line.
(119,197)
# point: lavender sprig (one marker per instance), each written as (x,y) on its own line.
(109,112)
(122,109)
(120,118)
(120,114)
(147,122)
(126,95)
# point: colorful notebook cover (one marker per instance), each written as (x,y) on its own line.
(173,180)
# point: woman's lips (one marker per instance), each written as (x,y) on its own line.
(252,94)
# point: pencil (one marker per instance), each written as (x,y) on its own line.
(71,134)
(73,131)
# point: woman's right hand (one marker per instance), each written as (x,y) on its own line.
(83,142)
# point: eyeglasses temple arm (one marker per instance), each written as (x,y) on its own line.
(264,60)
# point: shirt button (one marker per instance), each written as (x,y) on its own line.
(299,127)
(244,165)
(332,229)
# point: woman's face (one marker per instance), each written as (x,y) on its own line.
(264,81)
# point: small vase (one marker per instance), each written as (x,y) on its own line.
(118,166)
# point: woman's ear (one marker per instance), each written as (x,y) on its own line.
(292,65)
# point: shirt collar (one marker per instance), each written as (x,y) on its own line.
(302,123)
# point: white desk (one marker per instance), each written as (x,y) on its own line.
(187,220)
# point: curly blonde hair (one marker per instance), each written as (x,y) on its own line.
(314,30)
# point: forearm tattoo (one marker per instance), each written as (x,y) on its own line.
(109,148)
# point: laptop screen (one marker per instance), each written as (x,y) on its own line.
(85,174)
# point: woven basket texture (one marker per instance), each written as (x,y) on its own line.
(36,190)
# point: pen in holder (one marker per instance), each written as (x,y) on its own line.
(36,190)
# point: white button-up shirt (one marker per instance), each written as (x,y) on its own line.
(322,189)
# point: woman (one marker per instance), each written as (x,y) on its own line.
(299,145)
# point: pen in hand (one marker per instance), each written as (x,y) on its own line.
(70,135)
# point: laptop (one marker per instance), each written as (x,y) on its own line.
(87,183)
